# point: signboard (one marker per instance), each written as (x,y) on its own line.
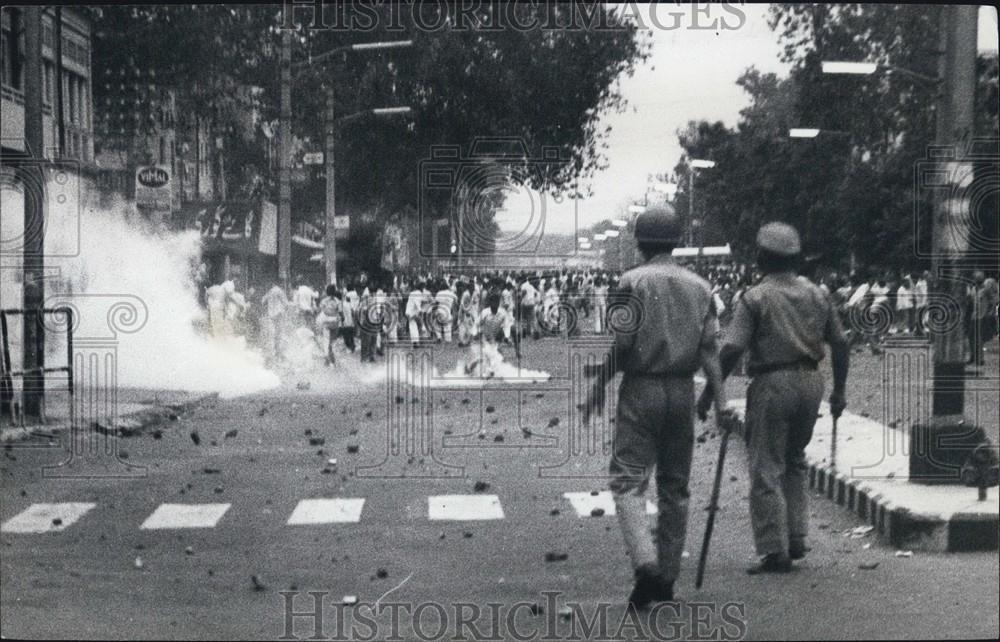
(268,241)
(341,227)
(153,186)
(312,158)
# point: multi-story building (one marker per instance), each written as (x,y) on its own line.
(75,71)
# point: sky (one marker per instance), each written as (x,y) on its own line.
(690,75)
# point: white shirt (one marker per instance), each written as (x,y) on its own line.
(904,298)
(920,294)
(304,297)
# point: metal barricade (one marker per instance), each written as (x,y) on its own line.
(8,406)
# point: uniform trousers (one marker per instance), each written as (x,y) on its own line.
(654,426)
(781,412)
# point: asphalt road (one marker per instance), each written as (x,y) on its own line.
(106,576)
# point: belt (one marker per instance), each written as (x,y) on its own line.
(804,364)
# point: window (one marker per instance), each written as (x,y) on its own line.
(49,73)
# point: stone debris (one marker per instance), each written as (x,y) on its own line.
(195,437)
(868,566)
(302,385)
(480,487)
(904,553)
(232,433)
(556,557)
(597,512)
(258,583)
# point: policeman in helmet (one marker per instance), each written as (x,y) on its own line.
(783,322)
(665,328)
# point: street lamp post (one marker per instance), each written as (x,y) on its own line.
(696,163)
(330,124)
(956,77)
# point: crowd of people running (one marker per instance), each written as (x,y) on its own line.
(503,307)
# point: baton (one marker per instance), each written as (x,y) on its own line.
(713,506)
(833,444)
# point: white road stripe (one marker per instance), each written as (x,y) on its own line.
(185,516)
(464,507)
(327,511)
(39,518)
(584,503)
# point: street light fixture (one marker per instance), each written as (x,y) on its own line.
(869,68)
(803,132)
(844,67)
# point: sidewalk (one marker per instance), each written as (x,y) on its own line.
(136,409)
(871,477)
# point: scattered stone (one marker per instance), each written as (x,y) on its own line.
(480,486)
(232,433)
(553,422)
(904,553)
(441,535)
(554,511)
(262,411)
(467,534)
(195,437)
(556,557)
(597,512)
(308,431)
(189,550)
(701,439)
(868,566)
(732,478)
(352,448)
(490,409)
(349,600)
(332,462)
(594,493)
(539,395)
(498,438)
(326,471)
(302,385)
(138,562)
(527,433)
(56,521)
(368,414)
(353,431)
(157,434)
(122,454)
(316,441)
(258,583)
(214,443)
(465,401)
(218,490)
(172,416)
(381,574)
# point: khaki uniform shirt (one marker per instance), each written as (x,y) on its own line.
(784,319)
(672,316)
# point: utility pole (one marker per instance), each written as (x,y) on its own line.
(284,169)
(330,234)
(32,82)
(954,130)
(57,69)
(690,239)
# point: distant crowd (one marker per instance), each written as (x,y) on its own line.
(366,313)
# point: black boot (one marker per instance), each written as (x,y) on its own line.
(649,587)
(772,563)
(797,550)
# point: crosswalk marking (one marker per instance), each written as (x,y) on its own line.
(585,503)
(185,516)
(327,511)
(464,507)
(46,518)
(54,517)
